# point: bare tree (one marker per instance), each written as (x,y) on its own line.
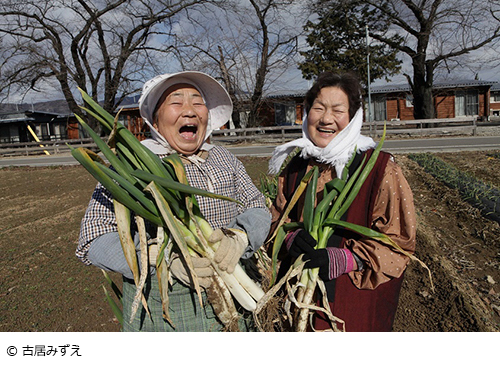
(248,45)
(105,47)
(436,35)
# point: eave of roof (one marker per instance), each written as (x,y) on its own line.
(394,87)
(15,120)
(495,87)
(404,87)
(287,94)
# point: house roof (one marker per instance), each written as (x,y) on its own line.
(405,87)
(395,87)
(128,106)
(287,93)
(12,117)
(18,116)
(15,120)
(495,87)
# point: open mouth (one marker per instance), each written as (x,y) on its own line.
(188,131)
(323,130)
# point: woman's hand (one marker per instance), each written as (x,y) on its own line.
(232,245)
(201,266)
(331,261)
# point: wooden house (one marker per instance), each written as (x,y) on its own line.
(283,108)
(395,102)
(130,117)
(451,100)
(46,125)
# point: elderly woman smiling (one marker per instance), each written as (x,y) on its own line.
(328,115)
(182,118)
(182,110)
(362,276)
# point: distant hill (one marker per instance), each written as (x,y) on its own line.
(53,106)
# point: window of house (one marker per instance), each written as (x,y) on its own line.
(4,135)
(378,109)
(284,113)
(409,100)
(47,131)
(122,119)
(41,131)
(495,96)
(15,134)
(467,103)
(60,131)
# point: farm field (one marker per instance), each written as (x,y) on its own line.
(43,287)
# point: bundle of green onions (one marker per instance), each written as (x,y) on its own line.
(157,190)
(320,219)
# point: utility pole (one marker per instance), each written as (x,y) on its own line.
(368,70)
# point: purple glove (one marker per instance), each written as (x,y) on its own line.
(331,261)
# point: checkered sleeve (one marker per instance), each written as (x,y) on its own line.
(224,174)
(98,220)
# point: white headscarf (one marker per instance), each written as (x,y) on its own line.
(337,153)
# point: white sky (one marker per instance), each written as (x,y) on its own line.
(293,78)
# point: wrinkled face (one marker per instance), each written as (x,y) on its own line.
(182,118)
(328,115)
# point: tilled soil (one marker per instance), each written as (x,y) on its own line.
(43,286)
(462,250)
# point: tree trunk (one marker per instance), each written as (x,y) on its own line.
(236,118)
(423,101)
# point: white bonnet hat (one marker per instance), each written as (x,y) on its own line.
(216,98)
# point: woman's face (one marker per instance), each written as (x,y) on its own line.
(182,118)
(328,115)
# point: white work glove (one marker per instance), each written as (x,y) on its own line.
(201,266)
(232,245)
